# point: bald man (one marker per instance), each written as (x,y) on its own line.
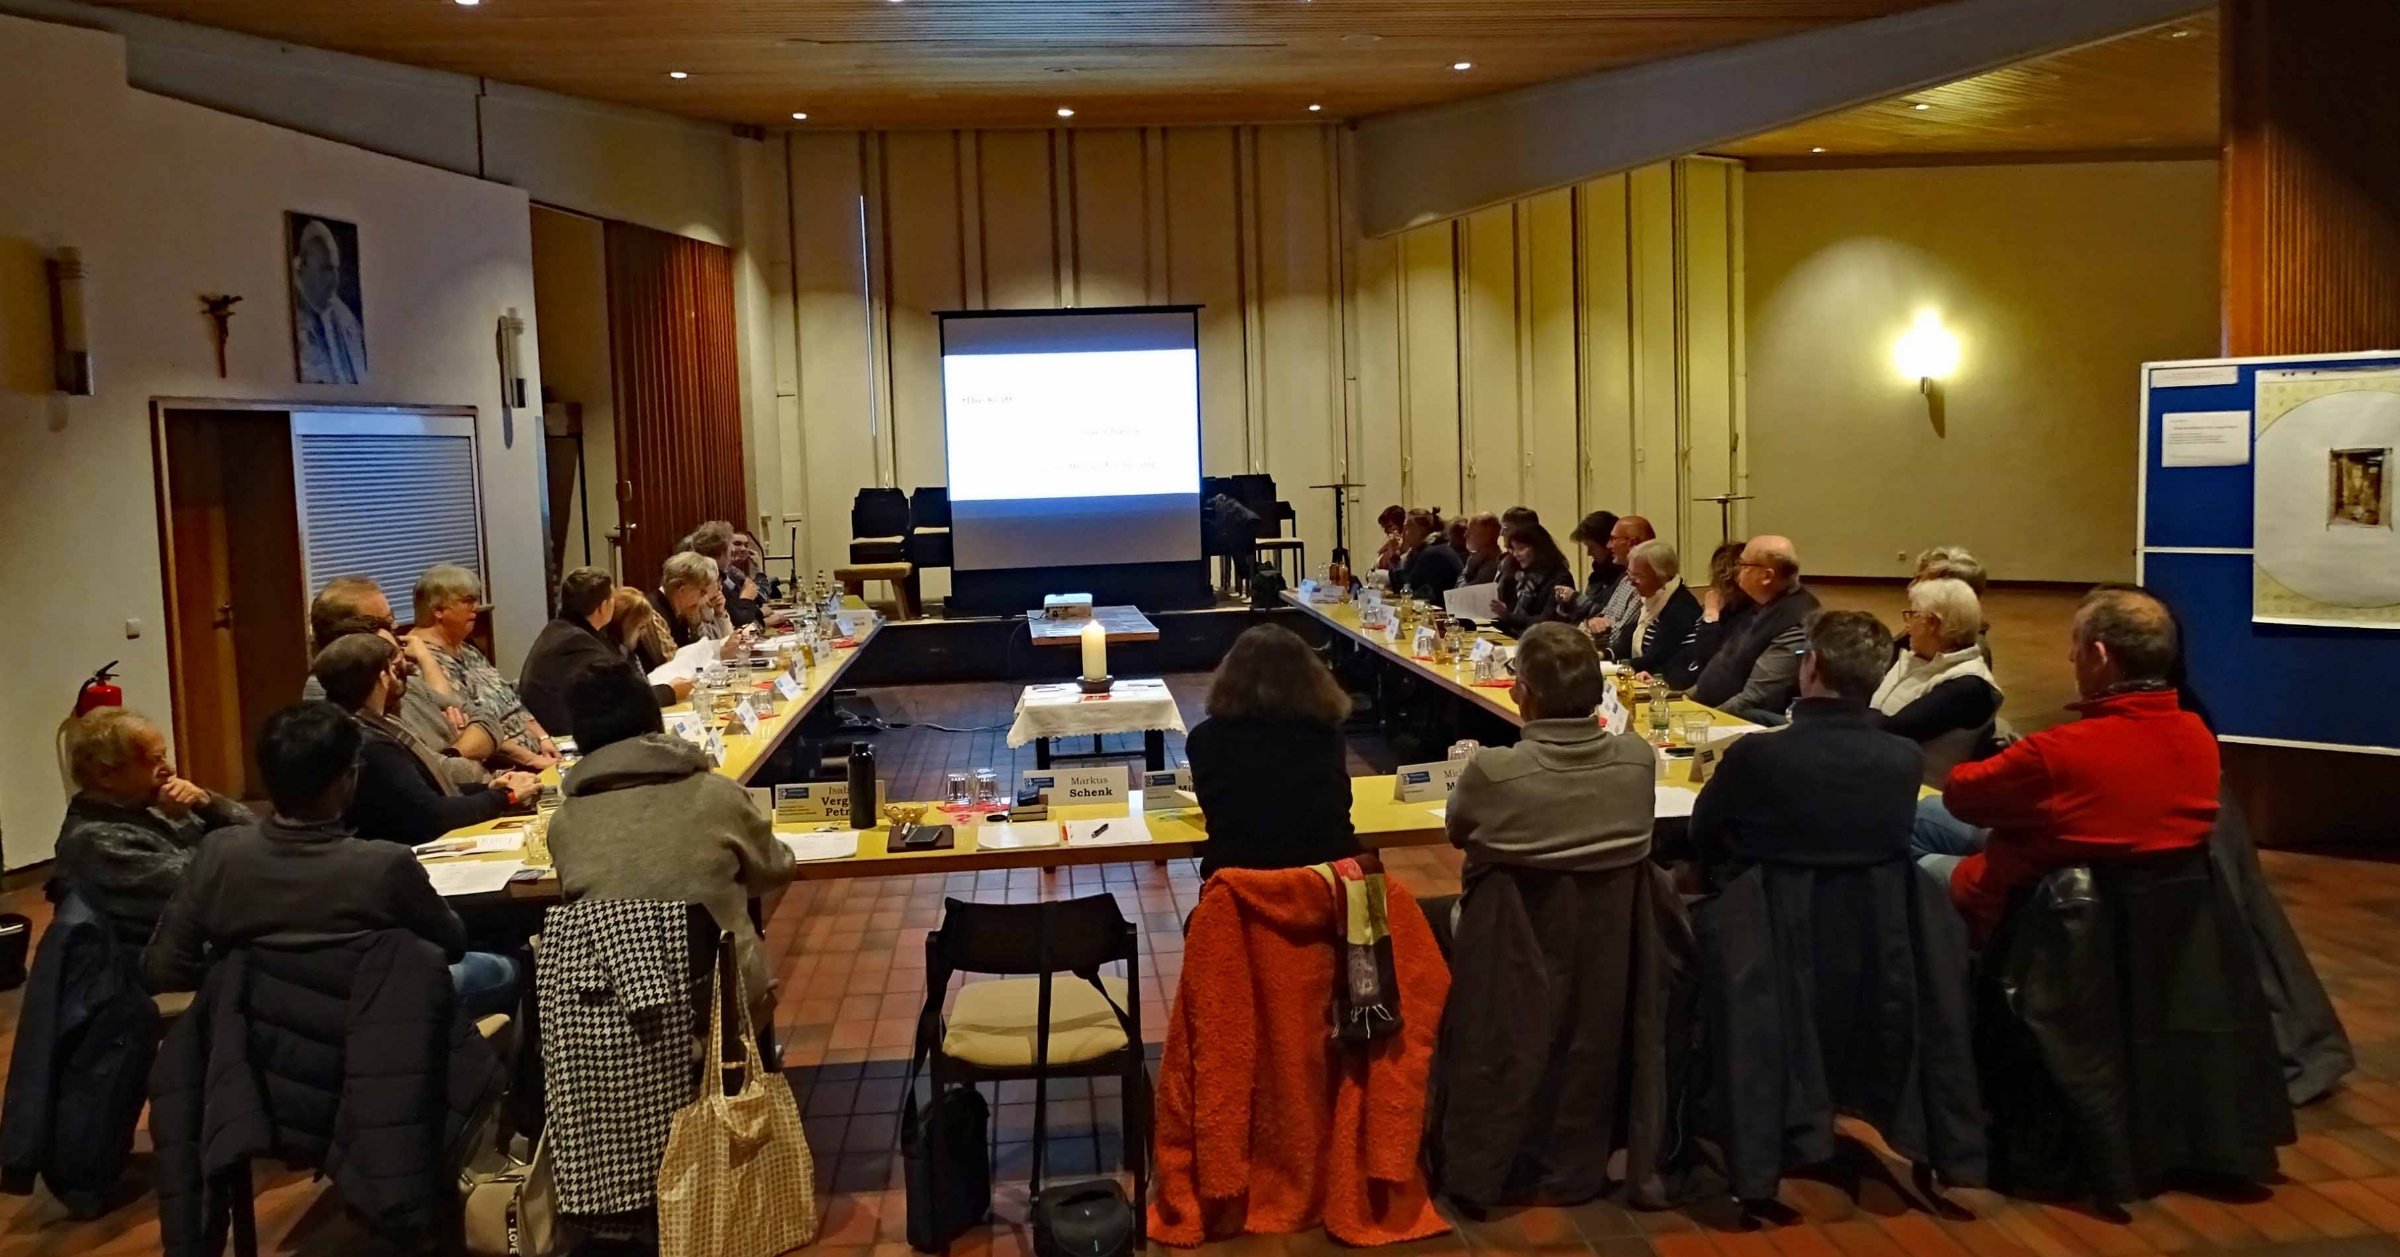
(1756,673)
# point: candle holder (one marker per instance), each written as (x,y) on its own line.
(1096,685)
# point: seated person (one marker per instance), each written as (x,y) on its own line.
(1723,610)
(2136,775)
(749,562)
(575,640)
(1592,533)
(1832,790)
(1569,796)
(300,878)
(132,826)
(1428,565)
(1755,674)
(1956,563)
(402,795)
(1268,764)
(1389,520)
(742,604)
(1480,545)
(355,604)
(646,817)
(1505,576)
(1666,618)
(690,601)
(1601,609)
(1541,567)
(1939,693)
(448,600)
(634,626)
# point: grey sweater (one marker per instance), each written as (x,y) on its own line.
(1567,797)
(647,819)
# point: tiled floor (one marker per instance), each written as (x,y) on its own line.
(850,959)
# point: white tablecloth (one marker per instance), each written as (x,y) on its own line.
(1065,711)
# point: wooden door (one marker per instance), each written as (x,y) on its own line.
(678,397)
(237,613)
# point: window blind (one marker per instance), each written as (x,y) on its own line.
(387,497)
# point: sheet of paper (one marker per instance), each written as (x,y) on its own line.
(481,844)
(471,877)
(1116,831)
(810,847)
(686,664)
(1004,836)
(1441,811)
(1471,602)
(1720,733)
(2195,377)
(1674,801)
(2204,438)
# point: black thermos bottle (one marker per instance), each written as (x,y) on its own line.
(862,786)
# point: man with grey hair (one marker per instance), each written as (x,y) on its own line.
(1667,617)
(691,600)
(1756,673)
(2136,775)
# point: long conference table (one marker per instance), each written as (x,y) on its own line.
(1379,819)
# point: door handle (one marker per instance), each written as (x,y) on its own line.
(224,618)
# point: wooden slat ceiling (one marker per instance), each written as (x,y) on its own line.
(942,63)
(2153,90)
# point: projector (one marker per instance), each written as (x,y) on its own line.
(1066,606)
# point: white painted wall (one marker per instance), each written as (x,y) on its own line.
(168,200)
(2059,280)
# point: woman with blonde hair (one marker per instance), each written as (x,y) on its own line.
(637,630)
(1269,764)
(133,824)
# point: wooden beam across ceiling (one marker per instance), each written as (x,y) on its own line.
(999,63)
(2154,91)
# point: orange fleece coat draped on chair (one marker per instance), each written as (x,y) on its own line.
(1264,1124)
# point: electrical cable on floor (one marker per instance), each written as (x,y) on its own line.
(946,728)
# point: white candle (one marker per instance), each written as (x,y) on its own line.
(1095,651)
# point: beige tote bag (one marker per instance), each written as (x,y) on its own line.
(737,1180)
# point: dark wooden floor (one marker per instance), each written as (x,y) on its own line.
(849,959)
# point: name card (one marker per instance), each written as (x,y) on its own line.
(1705,758)
(715,746)
(1307,587)
(1170,788)
(687,725)
(1426,783)
(1423,645)
(746,712)
(1080,785)
(1612,715)
(818,801)
(1483,650)
(788,686)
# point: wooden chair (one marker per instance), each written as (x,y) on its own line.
(901,575)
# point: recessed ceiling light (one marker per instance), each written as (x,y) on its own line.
(799,117)
(1462,65)
(1065,112)
(1817,149)
(677,74)
(2179,33)
(1921,106)
(1316,108)
(468,4)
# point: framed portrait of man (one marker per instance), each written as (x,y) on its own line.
(2359,496)
(329,331)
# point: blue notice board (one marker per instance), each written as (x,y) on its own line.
(2336,688)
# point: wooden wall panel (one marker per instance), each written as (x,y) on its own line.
(923,262)
(1490,344)
(1537,345)
(678,391)
(1108,256)
(2312,192)
(1204,267)
(1551,368)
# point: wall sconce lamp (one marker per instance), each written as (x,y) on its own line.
(70,353)
(1927,352)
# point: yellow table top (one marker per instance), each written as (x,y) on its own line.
(1457,677)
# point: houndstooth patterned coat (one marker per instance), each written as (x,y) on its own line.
(613,978)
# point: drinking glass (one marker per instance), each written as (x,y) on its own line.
(954,789)
(987,787)
(1695,728)
(1465,748)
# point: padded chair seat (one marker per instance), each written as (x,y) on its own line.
(877,541)
(933,532)
(873,571)
(1281,543)
(992,1023)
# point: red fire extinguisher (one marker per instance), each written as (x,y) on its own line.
(101,691)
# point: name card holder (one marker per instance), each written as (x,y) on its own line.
(1079,786)
(1426,783)
(788,685)
(801,801)
(746,712)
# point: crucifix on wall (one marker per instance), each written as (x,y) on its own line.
(219,310)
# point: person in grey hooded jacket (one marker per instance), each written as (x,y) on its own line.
(645,817)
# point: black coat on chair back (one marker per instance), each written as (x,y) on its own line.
(2122,1036)
(85,1035)
(1555,1051)
(2308,1032)
(1836,989)
(350,1058)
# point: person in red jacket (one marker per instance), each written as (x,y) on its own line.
(2136,775)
